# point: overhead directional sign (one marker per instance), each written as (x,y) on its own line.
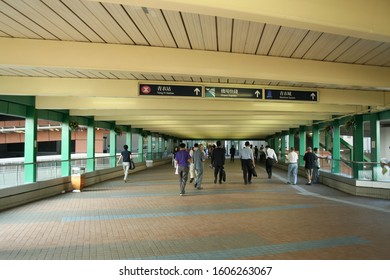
(170,90)
(291,95)
(224,92)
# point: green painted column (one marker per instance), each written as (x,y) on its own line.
(316,136)
(113,145)
(141,157)
(91,145)
(129,138)
(66,134)
(302,144)
(149,147)
(375,143)
(283,145)
(358,146)
(30,145)
(157,146)
(336,147)
(291,138)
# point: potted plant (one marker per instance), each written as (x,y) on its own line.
(73,125)
(350,124)
(118,131)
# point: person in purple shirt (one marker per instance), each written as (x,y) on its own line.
(183,160)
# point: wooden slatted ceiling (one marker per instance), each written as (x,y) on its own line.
(101,22)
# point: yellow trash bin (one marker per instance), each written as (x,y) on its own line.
(78,178)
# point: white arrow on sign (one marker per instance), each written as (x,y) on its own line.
(196,90)
(313,95)
(257,93)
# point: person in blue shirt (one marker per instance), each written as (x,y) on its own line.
(183,160)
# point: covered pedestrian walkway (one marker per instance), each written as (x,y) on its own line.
(147,219)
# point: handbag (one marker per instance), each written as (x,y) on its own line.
(254,172)
(132,164)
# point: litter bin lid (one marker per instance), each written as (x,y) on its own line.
(78,169)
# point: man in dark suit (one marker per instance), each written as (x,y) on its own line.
(218,161)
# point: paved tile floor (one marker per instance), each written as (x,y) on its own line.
(146,218)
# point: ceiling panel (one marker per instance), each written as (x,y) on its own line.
(194,30)
(209,31)
(111,25)
(341,49)
(42,16)
(125,22)
(287,41)
(373,53)
(224,34)
(142,22)
(381,59)
(357,51)
(157,21)
(83,11)
(240,33)
(267,38)
(306,44)
(63,11)
(254,34)
(11,28)
(168,78)
(176,26)
(25,21)
(61,28)
(325,44)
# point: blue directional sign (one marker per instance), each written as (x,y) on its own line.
(224,92)
(170,90)
(291,95)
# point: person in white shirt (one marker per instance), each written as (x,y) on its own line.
(270,159)
(192,169)
(292,160)
(247,163)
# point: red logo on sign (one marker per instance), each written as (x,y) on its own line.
(146,89)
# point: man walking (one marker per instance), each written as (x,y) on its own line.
(183,160)
(247,163)
(198,160)
(317,166)
(218,161)
(125,157)
(292,160)
(270,159)
(310,162)
(232,153)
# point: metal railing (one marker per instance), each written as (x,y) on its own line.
(12,174)
(365,171)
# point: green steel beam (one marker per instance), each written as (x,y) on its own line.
(113,144)
(91,145)
(302,144)
(336,147)
(30,145)
(65,146)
